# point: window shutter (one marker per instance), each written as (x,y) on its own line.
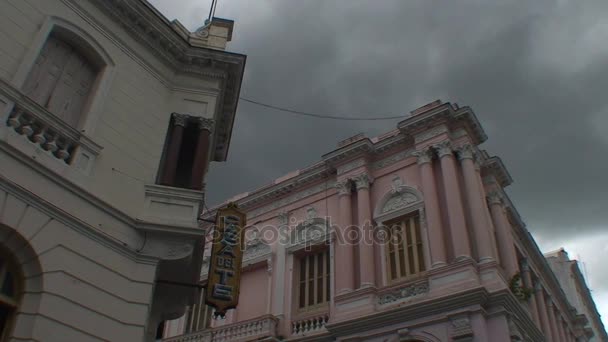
(46,71)
(70,94)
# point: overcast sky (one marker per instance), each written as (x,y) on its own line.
(534,72)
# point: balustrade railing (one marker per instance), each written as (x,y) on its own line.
(42,128)
(309,325)
(258,328)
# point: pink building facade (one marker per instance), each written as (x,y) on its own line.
(408,236)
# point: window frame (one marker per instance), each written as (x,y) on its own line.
(418,249)
(326,280)
(89,47)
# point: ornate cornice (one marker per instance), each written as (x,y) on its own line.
(445,114)
(494,166)
(152,29)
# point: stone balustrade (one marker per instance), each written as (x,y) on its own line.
(254,329)
(42,128)
(310,325)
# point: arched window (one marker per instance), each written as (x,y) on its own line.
(63,77)
(9,293)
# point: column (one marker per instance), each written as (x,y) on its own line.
(433,215)
(560,327)
(172,155)
(344,262)
(481,228)
(366,245)
(542,311)
(506,247)
(278,299)
(458,229)
(527,281)
(552,319)
(201,154)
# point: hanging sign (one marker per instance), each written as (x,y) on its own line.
(224,277)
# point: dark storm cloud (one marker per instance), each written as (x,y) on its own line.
(536,74)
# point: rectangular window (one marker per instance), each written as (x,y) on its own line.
(198,316)
(404,248)
(313,283)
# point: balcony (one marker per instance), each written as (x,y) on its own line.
(40,128)
(314,324)
(261,328)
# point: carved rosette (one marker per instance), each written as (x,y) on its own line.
(424,156)
(443,148)
(344,187)
(180,119)
(204,124)
(466,152)
(362,181)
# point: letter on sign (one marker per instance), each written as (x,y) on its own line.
(226,258)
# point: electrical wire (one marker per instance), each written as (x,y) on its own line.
(323,116)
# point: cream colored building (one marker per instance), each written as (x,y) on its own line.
(109,117)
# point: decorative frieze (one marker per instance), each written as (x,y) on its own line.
(342,169)
(388,161)
(398,201)
(404,292)
(431,133)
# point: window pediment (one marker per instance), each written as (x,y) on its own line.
(400,200)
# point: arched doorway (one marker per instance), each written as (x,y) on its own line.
(10,292)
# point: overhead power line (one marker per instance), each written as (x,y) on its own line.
(324,116)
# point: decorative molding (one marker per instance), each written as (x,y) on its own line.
(397,157)
(431,133)
(443,148)
(363,181)
(290,199)
(461,329)
(342,169)
(310,232)
(400,200)
(403,293)
(146,25)
(283,218)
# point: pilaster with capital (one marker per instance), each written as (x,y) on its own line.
(506,245)
(201,156)
(455,208)
(343,246)
(477,207)
(526,277)
(366,246)
(432,210)
(539,293)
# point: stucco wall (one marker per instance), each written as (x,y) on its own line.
(137,102)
